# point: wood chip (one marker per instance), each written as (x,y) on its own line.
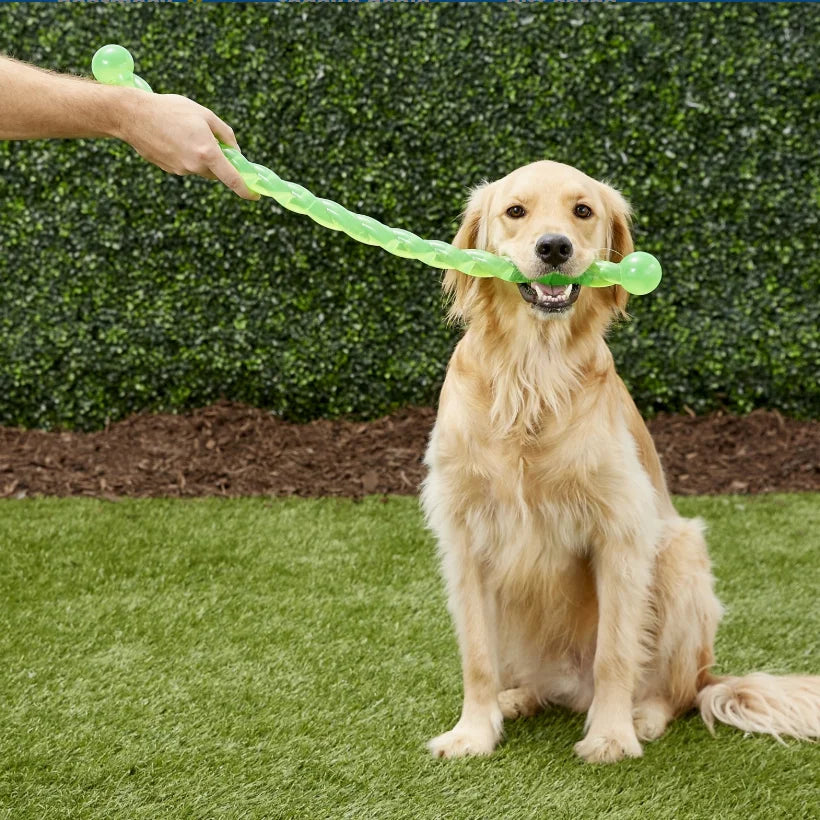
(234,450)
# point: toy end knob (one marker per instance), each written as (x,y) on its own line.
(111,63)
(640,273)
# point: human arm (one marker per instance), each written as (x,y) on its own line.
(173,132)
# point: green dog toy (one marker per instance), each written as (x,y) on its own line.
(638,273)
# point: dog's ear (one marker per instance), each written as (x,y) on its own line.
(619,238)
(458,286)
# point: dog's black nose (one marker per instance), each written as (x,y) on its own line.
(554,248)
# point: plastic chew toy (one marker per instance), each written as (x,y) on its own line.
(638,273)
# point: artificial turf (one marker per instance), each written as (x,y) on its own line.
(286,658)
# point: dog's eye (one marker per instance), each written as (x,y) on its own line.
(582,211)
(515,211)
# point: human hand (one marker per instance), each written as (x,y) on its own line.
(180,136)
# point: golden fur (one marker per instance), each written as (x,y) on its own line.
(570,577)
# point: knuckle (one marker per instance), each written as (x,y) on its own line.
(203,153)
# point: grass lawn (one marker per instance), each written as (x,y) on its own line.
(257,658)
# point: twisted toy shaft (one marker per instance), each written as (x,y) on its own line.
(638,273)
(365,229)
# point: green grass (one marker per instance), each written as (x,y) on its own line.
(253,658)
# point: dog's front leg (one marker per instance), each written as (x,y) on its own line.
(622,578)
(473,608)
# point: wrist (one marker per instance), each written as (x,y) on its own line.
(119,111)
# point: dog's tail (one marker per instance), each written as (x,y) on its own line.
(777,705)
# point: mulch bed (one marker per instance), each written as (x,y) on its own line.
(233,450)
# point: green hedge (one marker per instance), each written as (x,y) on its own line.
(126,289)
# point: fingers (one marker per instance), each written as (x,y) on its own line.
(220,167)
(228,175)
(222,131)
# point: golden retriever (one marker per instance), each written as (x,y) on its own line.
(570,576)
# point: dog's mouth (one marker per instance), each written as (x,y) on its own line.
(549,298)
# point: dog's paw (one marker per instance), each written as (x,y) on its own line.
(609,747)
(650,719)
(463,740)
(516,703)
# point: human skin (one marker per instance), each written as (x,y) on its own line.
(174,133)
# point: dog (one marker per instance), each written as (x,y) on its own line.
(570,576)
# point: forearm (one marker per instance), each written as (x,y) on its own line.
(176,134)
(36,104)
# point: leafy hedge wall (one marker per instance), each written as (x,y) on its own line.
(127,289)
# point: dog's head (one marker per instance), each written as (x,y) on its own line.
(546,217)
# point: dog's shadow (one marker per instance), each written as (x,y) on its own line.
(555,730)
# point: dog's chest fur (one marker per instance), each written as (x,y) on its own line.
(534,502)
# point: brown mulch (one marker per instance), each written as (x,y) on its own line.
(232,450)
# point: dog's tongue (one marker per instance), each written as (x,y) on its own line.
(549,290)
